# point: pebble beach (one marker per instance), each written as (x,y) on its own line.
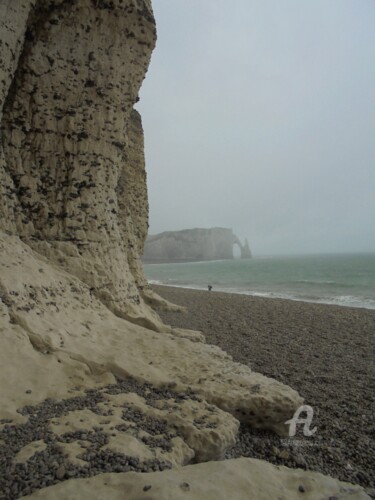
(325,352)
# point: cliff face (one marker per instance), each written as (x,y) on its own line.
(74,183)
(191,245)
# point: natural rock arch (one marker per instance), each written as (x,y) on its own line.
(245,251)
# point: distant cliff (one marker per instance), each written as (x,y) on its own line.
(194,245)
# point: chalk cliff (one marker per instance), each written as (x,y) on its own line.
(91,381)
(191,245)
(74,182)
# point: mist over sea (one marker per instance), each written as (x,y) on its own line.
(345,280)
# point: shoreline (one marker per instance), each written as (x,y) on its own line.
(323,351)
(261,295)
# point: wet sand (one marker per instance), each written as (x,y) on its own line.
(325,352)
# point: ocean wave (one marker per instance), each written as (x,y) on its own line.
(319,282)
(339,300)
(353,301)
(157,282)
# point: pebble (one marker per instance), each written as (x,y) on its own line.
(299,460)
(60,473)
(284,454)
(275,451)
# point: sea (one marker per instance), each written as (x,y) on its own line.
(344,280)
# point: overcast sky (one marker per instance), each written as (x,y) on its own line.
(259,115)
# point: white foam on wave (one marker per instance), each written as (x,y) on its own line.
(340,300)
(318,282)
(353,301)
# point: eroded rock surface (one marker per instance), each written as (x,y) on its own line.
(125,426)
(240,479)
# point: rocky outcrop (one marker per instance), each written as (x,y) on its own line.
(91,381)
(58,341)
(241,479)
(191,245)
(245,250)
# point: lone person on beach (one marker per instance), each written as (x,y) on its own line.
(209,287)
